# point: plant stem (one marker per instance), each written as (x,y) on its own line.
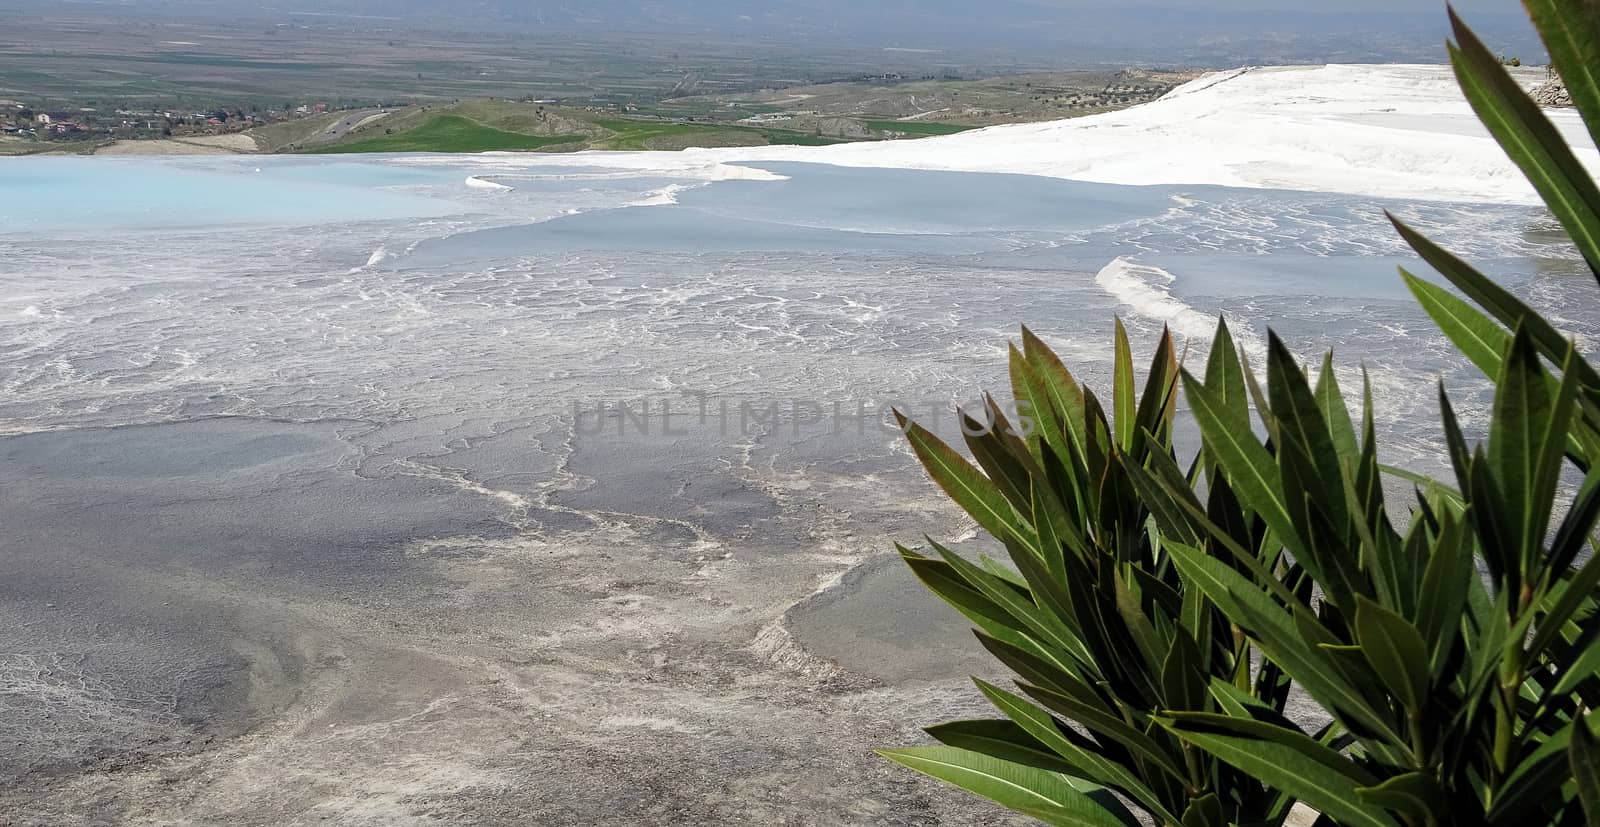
(1511,679)
(1241,668)
(1197,781)
(1419,757)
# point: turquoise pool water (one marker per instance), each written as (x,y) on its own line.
(74,194)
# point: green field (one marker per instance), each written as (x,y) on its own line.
(918,127)
(482,126)
(452,133)
(639,135)
(785,137)
(645,135)
(229,62)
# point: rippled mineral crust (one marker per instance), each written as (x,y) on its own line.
(274,633)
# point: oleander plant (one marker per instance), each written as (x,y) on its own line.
(1160,612)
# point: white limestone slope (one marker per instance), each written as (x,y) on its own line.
(1383,131)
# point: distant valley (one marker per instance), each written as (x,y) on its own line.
(884,108)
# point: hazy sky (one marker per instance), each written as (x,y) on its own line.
(1190,32)
(998,11)
(975,8)
(1405,6)
(1314,5)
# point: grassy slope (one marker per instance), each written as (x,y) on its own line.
(17,146)
(450,133)
(827,114)
(637,135)
(643,134)
(276,136)
(864,110)
(785,137)
(10,147)
(918,127)
(480,126)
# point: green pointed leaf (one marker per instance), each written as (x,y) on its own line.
(1047,796)
(1276,632)
(1035,403)
(974,492)
(996,623)
(1396,652)
(1263,407)
(1156,591)
(1183,684)
(1443,596)
(1242,704)
(1061,603)
(1330,400)
(1584,755)
(1497,301)
(999,571)
(1577,526)
(1530,139)
(1012,438)
(1045,625)
(1578,591)
(1527,439)
(1461,459)
(1205,811)
(1567,28)
(1301,424)
(1099,450)
(1000,739)
(1428,485)
(1076,707)
(1063,391)
(1416,796)
(1484,342)
(1477,336)
(1170,517)
(1287,760)
(1225,376)
(1058,537)
(1033,667)
(1005,471)
(1491,517)
(1158,403)
(1393,572)
(1140,629)
(1392,569)
(1487,649)
(1559,421)
(1162,464)
(1041,726)
(944,581)
(1249,468)
(1313,482)
(1221,537)
(1197,620)
(1583,667)
(1122,397)
(1540,773)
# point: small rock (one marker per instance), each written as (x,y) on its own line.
(1553,93)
